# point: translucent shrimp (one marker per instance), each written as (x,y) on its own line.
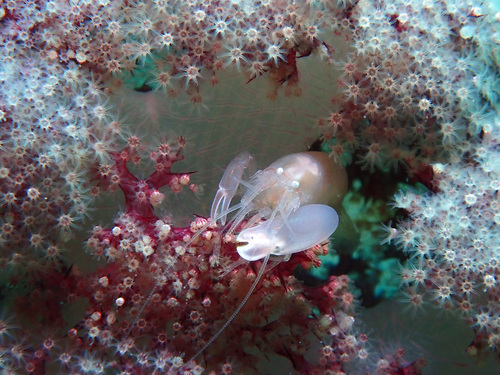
(290,196)
(290,182)
(287,208)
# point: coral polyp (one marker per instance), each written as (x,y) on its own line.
(118,120)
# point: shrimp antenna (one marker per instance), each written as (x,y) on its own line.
(236,312)
(210,222)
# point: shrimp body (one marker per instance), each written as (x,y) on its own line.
(286,206)
(274,193)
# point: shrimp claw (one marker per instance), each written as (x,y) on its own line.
(309,225)
(228,185)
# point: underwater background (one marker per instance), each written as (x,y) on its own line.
(117,121)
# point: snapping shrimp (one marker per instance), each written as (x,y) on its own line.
(288,207)
(293,198)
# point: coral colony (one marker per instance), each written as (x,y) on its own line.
(419,93)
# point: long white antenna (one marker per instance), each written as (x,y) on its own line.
(231,318)
(210,222)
